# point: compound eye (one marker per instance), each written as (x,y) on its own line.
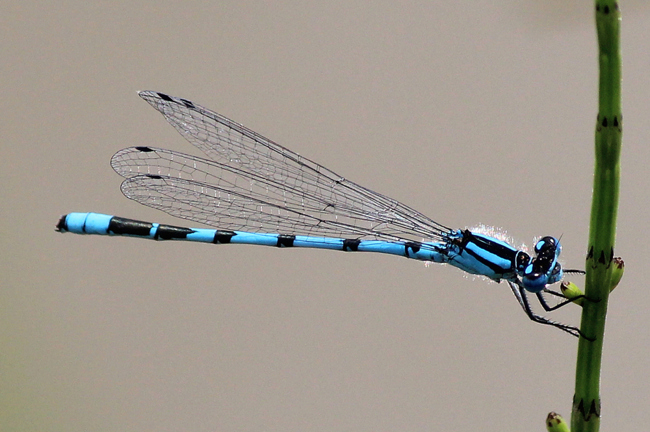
(546,244)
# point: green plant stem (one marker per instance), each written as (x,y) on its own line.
(602,232)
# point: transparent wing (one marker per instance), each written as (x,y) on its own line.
(253,184)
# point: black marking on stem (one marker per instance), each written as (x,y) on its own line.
(606,8)
(594,408)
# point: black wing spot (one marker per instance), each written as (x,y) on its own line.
(187,103)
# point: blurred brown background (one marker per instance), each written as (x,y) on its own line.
(472,112)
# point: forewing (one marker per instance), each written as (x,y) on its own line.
(253,184)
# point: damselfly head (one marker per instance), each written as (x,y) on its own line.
(544,268)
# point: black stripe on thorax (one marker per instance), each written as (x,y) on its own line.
(494,248)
